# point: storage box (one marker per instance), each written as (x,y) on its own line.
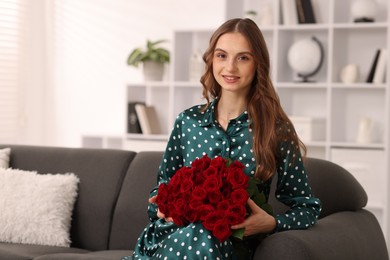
(309,129)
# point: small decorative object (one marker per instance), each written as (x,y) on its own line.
(196,66)
(153,59)
(266,16)
(363,11)
(365,130)
(306,57)
(350,73)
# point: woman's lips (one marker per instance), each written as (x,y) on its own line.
(230,79)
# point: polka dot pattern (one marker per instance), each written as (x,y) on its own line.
(194,134)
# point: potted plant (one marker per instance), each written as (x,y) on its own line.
(153,60)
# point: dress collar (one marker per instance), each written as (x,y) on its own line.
(209,116)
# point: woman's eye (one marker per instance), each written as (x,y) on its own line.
(243,58)
(220,55)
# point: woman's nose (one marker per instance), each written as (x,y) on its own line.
(231,65)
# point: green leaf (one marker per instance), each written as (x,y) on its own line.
(152,53)
(259,199)
(267,208)
(238,233)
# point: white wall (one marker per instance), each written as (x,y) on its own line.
(88,42)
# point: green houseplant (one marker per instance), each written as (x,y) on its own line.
(153,59)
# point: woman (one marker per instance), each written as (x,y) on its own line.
(242,120)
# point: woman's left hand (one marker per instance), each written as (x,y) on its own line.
(259,221)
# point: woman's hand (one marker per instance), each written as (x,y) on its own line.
(159,213)
(258,222)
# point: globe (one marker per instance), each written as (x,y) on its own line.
(305,57)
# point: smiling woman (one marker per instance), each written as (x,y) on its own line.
(242,121)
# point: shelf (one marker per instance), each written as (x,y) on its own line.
(354,145)
(147,137)
(304,85)
(359,26)
(357,86)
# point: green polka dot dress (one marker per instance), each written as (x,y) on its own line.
(196,133)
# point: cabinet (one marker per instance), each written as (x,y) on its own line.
(339,105)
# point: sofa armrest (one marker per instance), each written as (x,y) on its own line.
(343,235)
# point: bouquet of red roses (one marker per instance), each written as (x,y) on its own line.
(212,191)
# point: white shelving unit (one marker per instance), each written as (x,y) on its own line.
(340,105)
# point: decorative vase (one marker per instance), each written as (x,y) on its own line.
(196,66)
(153,71)
(365,130)
(363,11)
(350,73)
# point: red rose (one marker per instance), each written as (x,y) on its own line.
(212,170)
(214,196)
(237,178)
(199,193)
(236,214)
(204,211)
(237,164)
(222,230)
(195,203)
(219,163)
(223,206)
(163,208)
(176,178)
(211,219)
(237,210)
(191,214)
(180,204)
(186,173)
(201,164)
(239,196)
(226,189)
(212,183)
(162,193)
(199,179)
(186,185)
(234,219)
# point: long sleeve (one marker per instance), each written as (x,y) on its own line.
(294,191)
(170,163)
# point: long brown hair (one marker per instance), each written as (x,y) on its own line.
(270,124)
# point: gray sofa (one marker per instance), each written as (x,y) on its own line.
(111,207)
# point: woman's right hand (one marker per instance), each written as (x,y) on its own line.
(159,213)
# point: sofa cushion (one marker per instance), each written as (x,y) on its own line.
(36,208)
(131,211)
(98,255)
(101,173)
(13,251)
(4,157)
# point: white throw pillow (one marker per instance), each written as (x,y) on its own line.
(4,157)
(36,208)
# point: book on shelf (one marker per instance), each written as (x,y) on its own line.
(305,11)
(289,12)
(380,70)
(374,63)
(148,119)
(133,126)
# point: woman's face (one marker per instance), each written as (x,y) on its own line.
(233,63)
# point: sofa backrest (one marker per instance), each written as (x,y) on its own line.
(337,189)
(101,173)
(130,216)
